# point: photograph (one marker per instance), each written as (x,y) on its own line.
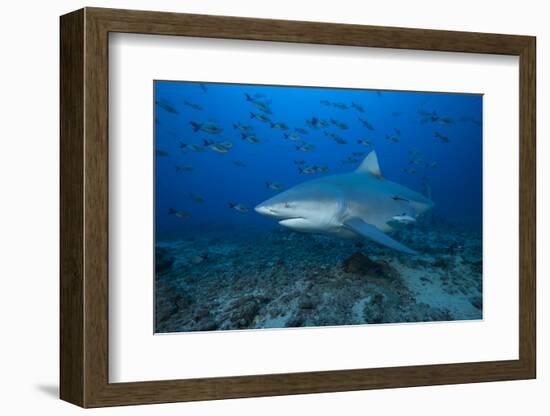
(295,206)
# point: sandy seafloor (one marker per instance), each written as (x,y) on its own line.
(257,278)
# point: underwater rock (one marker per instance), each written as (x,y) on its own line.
(375,310)
(246,309)
(163,260)
(361,264)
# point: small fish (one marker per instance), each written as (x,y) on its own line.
(428,117)
(221,147)
(431,165)
(358,154)
(280,126)
(260,105)
(243,128)
(339,140)
(190,146)
(323,123)
(350,161)
(305,147)
(226,144)
(197,199)
(325,102)
(392,138)
(250,138)
(366,124)
(208,127)
(239,164)
(184,168)
(301,130)
(293,137)
(358,107)
(299,162)
(322,169)
(397,131)
(179,213)
(417,162)
(364,142)
(403,219)
(433,117)
(445,120)
(165,105)
(308,170)
(409,171)
(339,124)
(274,185)
(332,135)
(313,122)
(260,117)
(341,106)
(203,88)
(414,152)
(162,153)
(239,208)
(193,105)
(441,137)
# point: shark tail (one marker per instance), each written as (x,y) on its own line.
(252,115)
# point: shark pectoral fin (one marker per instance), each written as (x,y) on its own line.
(373,233)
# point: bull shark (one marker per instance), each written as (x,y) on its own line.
(359,204)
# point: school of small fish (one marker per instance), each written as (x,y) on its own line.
(261,111)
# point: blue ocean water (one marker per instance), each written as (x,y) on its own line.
(456,180)
(206,166)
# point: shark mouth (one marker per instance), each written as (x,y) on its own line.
(295,221)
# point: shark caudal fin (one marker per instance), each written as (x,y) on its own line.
(370,165)
(371,232)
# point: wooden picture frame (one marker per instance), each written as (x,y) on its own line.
(84,207)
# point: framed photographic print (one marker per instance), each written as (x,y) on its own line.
(255,207)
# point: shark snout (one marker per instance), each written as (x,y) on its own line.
(270,210)
(263,209)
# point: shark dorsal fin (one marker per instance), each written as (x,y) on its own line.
(370,165)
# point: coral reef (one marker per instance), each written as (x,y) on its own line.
(220,280)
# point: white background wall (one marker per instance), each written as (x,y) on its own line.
(29,206)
